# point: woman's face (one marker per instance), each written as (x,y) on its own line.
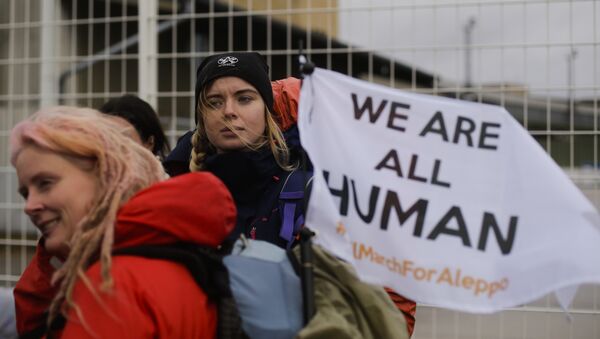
(237,114)
(58,190)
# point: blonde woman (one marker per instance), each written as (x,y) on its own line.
(238,139)
(92,191)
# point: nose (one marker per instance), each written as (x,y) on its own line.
(33,205)
(229,110)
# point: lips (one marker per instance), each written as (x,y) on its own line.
(227,129)
(46,227)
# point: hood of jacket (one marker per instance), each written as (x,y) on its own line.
(193,208)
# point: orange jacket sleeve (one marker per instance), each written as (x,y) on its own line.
(406,306)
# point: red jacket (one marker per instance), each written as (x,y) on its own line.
(150,297)
(286,96)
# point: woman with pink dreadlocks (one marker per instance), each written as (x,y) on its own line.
(94,192)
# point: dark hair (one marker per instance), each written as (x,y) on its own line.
(143,117)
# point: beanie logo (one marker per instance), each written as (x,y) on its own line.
(227,61)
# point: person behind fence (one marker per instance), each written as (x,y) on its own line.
(94,192)
(239,140)
(142,116)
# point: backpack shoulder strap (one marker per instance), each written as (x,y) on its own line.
(292,197)
(202,262)
(43,331)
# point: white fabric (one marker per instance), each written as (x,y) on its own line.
(491,177)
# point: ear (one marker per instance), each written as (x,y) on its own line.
(149,143)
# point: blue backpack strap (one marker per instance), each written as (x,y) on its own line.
(291,204)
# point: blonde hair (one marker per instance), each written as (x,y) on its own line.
(272,136)
(123,168)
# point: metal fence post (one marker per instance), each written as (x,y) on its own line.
(147,66)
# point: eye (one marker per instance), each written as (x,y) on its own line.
(44,184)
(245,99)
(215,103)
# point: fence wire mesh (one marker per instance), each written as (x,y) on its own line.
(537,58)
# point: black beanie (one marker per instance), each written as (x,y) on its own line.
(249,66)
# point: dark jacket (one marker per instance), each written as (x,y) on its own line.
(254,179)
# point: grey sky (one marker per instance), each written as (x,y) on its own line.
(523,42)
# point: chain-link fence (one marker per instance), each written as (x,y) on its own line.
(538,58)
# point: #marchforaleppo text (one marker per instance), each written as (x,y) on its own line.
(451,276)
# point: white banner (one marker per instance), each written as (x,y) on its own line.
(450,203)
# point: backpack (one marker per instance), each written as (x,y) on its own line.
(269,283)
(267,289)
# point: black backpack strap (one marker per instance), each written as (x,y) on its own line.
(42,331)
(203,263)
(36,333)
